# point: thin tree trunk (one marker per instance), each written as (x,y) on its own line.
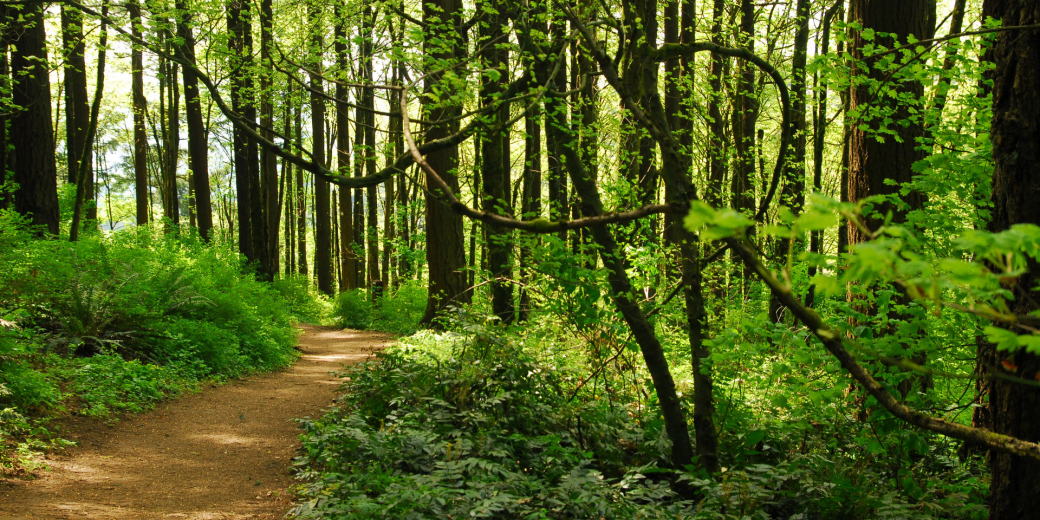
(198,145)
(322,218)
(91,131)
(368,101)
(301,198)
(792,194)
(268,160)
(347,257)
(77,104)
(140,107)
(494,166)
(819,135)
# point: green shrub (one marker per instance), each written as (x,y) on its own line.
(399,311)
(214,348)
(353,310)
(26,388)
(107,383)
(484,432)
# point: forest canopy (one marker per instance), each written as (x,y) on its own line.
(796,240)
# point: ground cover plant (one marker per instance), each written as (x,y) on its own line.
(114,324)
(486,422)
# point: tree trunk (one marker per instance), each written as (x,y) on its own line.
(86,177)
(198,143)
(5,78)
(347,261)
(240,88)
(268,160)
(1014,409)
(745,116)
(368,101)
(31,131)
(77,106)
(301,197)
(444,237)
(172,144)
(792,195)
(322,218)
(494,166)
(820,120)
(872,163)
(140,107)
(716,123)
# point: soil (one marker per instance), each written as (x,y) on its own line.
(223,453)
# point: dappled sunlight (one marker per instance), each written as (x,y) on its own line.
(224,453)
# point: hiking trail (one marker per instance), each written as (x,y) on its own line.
(222,453)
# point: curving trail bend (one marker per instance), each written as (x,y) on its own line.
(223,453)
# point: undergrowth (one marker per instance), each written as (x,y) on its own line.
(398,311)
(488,422)
(113,324)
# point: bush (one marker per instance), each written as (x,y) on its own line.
(123,320)
(397,312)
(484,432)
(353,310)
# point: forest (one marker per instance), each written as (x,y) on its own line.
(642,258)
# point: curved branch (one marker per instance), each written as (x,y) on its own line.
(673,51)
(834,344)
(444,192)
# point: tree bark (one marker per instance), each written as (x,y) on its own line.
(347,259)
(1014,409)
(268,160)
(368,101)
(140,107)
(792,195)
(872,163)
(444,237)
(32,133)
(494,165)
(322,218)
(301,197)
(77,105)
(198,142)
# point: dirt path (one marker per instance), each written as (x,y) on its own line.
(220,454)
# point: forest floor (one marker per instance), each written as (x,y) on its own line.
(223,453)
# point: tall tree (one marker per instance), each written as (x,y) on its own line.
(322,218)
(198,142)
(5,78)
(792,195)
(301,194)
(716,123)
(140,109)
(369,103)
(875,163)
(745,117)
(91,131)
(494,164)
(77,104)
(1014,408)
(172,135)
(268,160)
(444,238)
(347,259)
(31,130)
(241,88)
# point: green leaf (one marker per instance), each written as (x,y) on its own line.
(700,215)
(1003,338)
(815,220)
